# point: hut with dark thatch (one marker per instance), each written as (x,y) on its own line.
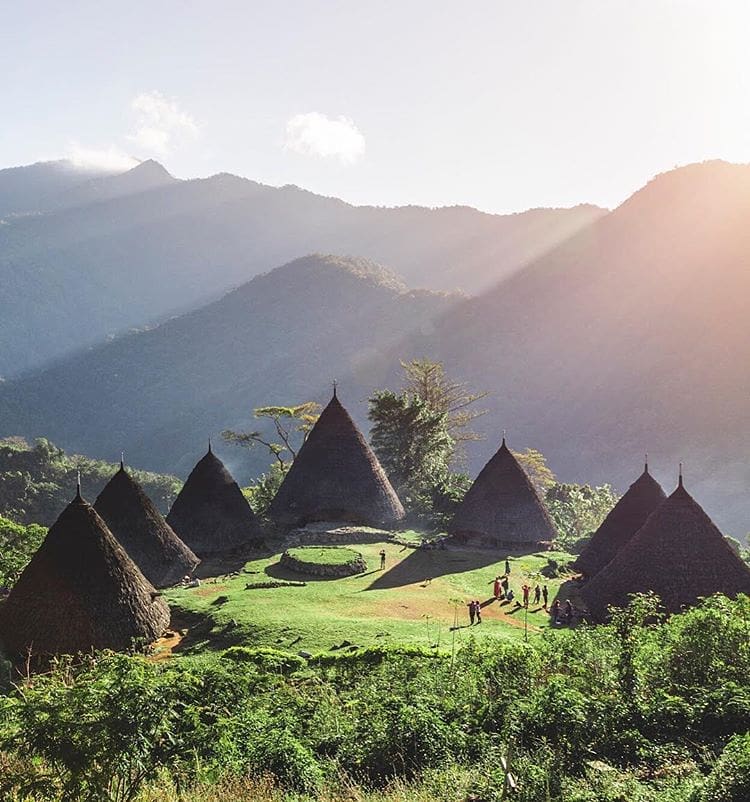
(502,508)
(210,514)
(80,591)
(623,521)
(678,553)
(336,477)
(140,528)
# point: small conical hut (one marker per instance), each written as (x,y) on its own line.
(81,591)
(336,477)
(140,528)
(210,514)
(678,553)
(502,508)
(623,521)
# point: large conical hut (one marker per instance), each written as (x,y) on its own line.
(623,521)
(140,528)
(502,508)
(336,477)
(80,592)
(678,553)
(210,514)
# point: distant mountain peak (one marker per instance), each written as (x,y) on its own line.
(151,168)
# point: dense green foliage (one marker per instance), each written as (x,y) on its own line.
(413,444)
(640,710)
(17,546)
(36,482)
(577,511)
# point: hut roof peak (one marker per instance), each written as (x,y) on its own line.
(336,476)
(140,528)
(678,553)
(81,590)
(621,524)
(210,514)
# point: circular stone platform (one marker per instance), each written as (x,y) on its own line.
(326,561)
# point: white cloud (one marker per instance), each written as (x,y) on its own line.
(315,134)
(160,123)
(110,158)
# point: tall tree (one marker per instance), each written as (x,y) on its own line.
(291,425)
(428,380)
(411,440)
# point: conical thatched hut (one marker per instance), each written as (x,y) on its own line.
(210,514)
(139,527)
(502,507)
(678,554)
(336,477)
(623,521)
(80,591)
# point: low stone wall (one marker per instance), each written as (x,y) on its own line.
(355,566)
(332,533)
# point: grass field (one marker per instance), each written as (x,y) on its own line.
(417,599)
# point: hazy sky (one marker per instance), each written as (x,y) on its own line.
(500,105)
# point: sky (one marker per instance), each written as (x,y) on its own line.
(499,105)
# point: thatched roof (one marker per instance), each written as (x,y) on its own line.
(210,514)
(336,477)
(502,507)
(678,554)
(623,521)
(80,591)
(139,527)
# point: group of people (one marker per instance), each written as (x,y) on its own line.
(560,613)
(475,612)
(503,591)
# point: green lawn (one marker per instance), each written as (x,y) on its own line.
(416,599)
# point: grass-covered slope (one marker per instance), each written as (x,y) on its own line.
(416,599)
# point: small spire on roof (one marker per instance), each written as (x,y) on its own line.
(679,480)
(209,446)
(78,485)
(334,387)
(503,437)
(645,469)
(122,460)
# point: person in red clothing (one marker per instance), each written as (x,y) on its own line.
(498,587)
(525,590)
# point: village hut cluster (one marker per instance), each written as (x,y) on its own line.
(94,582)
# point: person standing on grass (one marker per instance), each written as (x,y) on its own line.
(545,596)
(555,612)
(525,590)
(507,567)
(497,588)
(537,593)
(382,559)
(505,584)
(478,611)
(472,613)
(568,612)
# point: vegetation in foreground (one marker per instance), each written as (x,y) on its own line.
(648,708)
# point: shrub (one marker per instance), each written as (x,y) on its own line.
(730,779)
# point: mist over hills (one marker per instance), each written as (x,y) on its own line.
(631,335)
(281,338)
(114,252)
